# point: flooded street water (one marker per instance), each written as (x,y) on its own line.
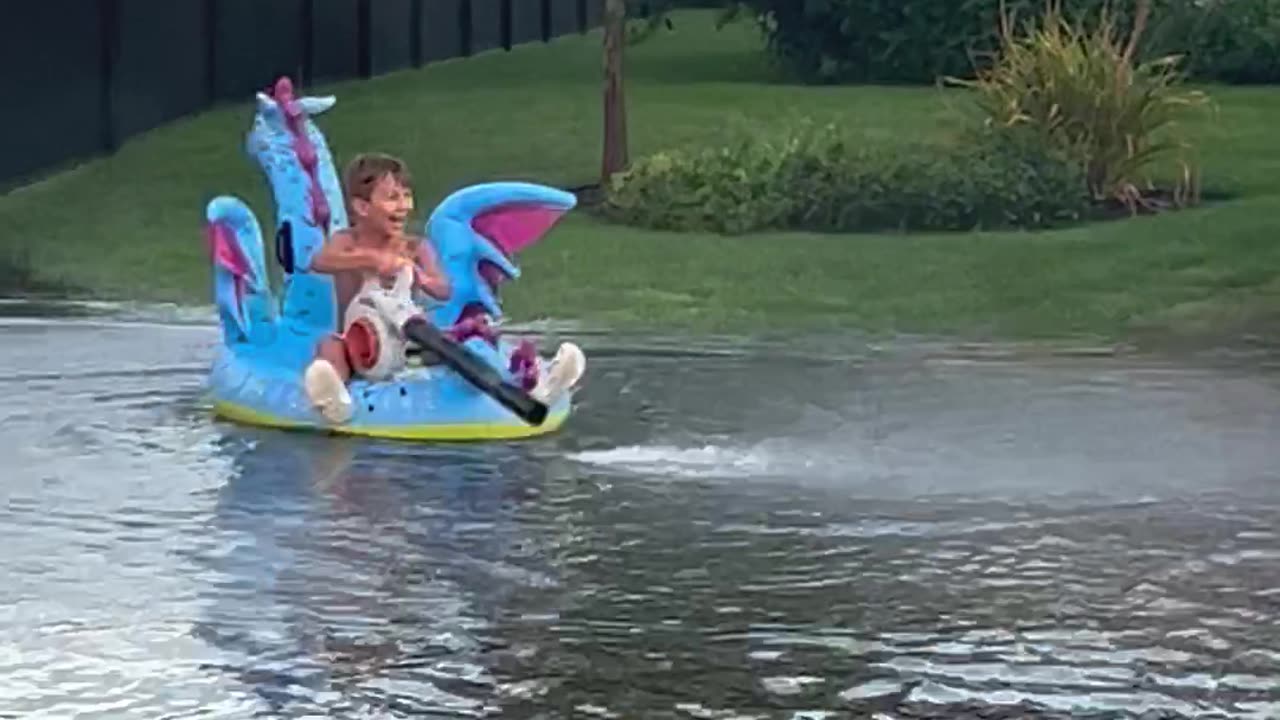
(727,531)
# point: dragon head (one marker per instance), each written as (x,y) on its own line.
(299,166)
(289,147)
(477,232)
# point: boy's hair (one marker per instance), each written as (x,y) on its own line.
(365,170)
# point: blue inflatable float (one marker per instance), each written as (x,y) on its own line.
(267,342)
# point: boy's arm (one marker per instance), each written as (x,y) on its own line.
(430,278)
(341,253)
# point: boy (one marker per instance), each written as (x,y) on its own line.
(379,199)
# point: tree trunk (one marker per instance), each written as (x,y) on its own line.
(615,104)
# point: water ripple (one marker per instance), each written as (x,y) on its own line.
(860,534)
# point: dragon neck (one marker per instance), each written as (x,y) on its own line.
(305,151)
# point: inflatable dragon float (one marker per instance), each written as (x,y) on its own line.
(469,382)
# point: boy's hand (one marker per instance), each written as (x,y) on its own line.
(427,274)
(389,264)
(434,284)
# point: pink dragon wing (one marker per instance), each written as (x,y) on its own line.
(515,226)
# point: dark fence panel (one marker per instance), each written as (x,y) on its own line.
(335,46)
(160,64)
(486,25)
(441,32)
(526,21)
(51,84)
(390,35)
(257,41)
(564,17)
(78,77)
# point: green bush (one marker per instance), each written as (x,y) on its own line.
(1235,41)
(1078,88)
(917,41)
(808,178)
(18,275)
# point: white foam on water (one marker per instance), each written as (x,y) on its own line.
(712,461)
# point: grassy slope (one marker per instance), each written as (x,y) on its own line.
(128,226)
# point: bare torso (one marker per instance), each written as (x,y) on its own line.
(346,285)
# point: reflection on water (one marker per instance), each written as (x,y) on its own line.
(344,580)
(726,532)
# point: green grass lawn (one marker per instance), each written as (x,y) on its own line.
(129,226)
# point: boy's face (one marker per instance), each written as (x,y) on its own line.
(387,209)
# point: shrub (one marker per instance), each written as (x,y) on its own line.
(917,41)
(1081,91)
(18,275)
(16,272)
(1235,41)
(808,178)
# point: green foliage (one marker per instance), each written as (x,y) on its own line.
(1079,89)
(917,41)
(1235,41)
(815,178)
(18,275)
(646,17)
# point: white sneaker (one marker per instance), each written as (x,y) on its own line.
(565,370)
(327,392)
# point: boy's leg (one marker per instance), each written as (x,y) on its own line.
(326,381)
